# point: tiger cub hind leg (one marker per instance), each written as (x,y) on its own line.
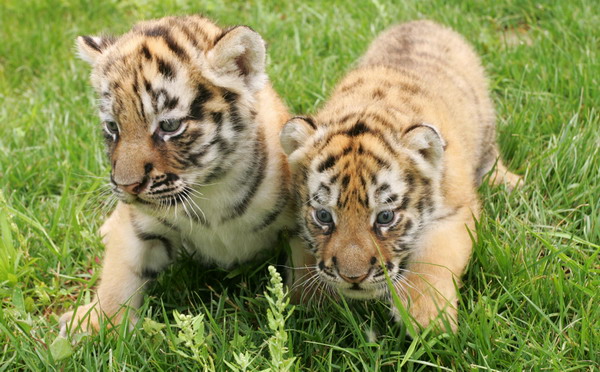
(500,175)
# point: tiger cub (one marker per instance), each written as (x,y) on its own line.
(386,172)
(192,131)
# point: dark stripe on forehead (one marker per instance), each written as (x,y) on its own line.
(358,129)
(380,161)
(138,101)
(171,103)
(165,35)
(203,95)
(327,163)
(345,181)
(193,39)
(346,117)
(165,68)
(146,51)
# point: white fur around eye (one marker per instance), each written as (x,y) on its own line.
(181,129)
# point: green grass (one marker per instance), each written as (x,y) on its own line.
(530,297)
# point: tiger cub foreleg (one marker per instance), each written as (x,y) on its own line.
(132,258)
(430,282)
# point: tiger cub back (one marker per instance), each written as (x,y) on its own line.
(191,125)
(386,172)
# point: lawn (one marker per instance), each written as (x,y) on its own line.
(530,298)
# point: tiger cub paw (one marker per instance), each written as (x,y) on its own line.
(83,319)
(424,311)
(89,318)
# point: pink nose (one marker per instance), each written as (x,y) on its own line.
(354,279)
(135,188)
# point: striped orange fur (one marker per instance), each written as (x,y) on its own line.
(386,172)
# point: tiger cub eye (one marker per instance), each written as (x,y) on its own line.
(112,127)
(324,216)
(169,125)
(385,217)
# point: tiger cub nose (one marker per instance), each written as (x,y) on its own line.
(354,279)
(135,188)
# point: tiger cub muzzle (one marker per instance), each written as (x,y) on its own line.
(146,184)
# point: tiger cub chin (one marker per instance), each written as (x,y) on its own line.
(386,172)
(192,133)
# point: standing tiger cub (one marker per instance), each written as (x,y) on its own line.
(192,131)
(386,172)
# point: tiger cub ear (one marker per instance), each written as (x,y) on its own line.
(427,141)
(295,133)
(238,60)
(91,47)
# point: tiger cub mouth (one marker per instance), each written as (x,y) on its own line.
(161,191)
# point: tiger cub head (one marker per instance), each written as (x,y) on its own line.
(364,192)
(177,103)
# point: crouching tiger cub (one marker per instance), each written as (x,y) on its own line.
(386,172)
(192,131)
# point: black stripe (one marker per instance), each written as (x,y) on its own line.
(279,207)
(138,102)
(166,242)
(171,103)
(167,224)
(408,224)
(307,119)
(91,43)
(345,118)
(150,274)
(381,162)
(223,33)
(327,163)
(382,188)
(163,33)
(189,35)
(165,68)
(257,171)
(157,31)
(352,85)
(197,106)
(146,51)
(358,129)
(217,118)
(345,181)
(215,174)
(144,236)
(234,115)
